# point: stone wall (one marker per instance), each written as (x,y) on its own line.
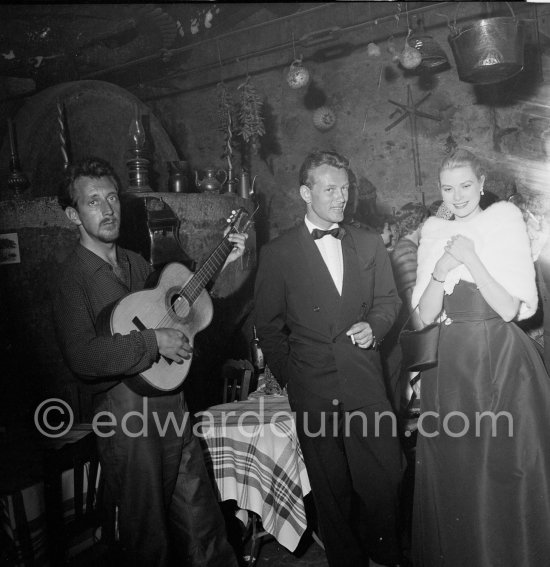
(499,122)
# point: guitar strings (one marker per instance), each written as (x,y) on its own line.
(192,284)
(203,279)
(192,287)
(198,275)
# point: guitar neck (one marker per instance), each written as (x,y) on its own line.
(213,263)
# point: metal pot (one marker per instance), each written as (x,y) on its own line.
(210,182)
(489,51)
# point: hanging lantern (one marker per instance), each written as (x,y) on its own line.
(434,59)
(298,75)
(324,118)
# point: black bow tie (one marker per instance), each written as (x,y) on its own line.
(338,232)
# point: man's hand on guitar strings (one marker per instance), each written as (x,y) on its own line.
(239,242)
(173,344)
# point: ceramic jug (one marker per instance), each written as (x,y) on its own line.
(210,182)
(178,181)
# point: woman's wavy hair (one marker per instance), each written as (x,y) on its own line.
(461,158)
(409,217)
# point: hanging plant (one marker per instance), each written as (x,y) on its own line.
(251,124)
(226,121)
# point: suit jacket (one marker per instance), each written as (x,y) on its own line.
(302,320)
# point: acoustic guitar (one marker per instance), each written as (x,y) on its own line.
(178,301)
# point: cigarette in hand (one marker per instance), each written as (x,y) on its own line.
(352,337)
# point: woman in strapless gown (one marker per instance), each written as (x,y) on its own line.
(482,486)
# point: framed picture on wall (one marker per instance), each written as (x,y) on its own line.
(9,249)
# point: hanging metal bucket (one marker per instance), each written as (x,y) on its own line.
(489,51)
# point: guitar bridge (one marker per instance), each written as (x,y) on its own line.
(141,327)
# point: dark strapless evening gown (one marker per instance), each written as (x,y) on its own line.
(482,485)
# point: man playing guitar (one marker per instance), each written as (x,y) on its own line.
(156,476)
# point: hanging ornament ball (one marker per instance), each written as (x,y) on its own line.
(373,50)
(410,57)
(298,75)
(324,118)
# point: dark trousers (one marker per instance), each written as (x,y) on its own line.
(155,473)
(355,473)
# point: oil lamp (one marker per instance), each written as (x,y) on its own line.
(138,164)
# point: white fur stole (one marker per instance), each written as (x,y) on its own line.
(502,244)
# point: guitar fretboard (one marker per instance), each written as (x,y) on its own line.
(215,261)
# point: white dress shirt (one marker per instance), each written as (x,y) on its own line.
(331,251)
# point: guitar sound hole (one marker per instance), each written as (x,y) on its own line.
(179,305)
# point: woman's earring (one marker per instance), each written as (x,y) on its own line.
(482,192)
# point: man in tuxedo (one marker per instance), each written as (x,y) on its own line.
(324,299)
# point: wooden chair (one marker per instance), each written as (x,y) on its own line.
(237,376)
(254,535)
(63,532)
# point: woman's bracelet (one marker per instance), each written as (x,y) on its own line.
(436,280)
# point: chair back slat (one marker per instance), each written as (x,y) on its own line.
(237,378)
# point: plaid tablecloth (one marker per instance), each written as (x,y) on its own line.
(256,460)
